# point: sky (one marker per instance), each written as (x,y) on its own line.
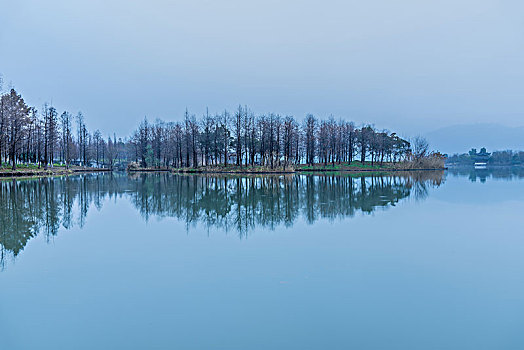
(408,66)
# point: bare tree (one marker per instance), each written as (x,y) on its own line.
(111,152)
(224,125)
(310,131)
(237,124)
(420,148)
(97,140)
(67,140)
(82,138)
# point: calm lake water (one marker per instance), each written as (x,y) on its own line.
(159,261)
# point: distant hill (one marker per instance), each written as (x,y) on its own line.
(461,138)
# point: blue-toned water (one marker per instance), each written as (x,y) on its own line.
(158,261)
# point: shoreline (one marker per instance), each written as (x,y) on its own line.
(247,171)
(25,173)
(6,174)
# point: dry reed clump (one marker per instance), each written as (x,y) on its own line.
(434,160)
(133,166)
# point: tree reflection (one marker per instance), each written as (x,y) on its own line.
(239,203)
(483,174)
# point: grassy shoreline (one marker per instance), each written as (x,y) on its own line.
(34,172)
(295,169)
(30,172)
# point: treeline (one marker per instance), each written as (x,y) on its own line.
(272,140)
(46,138)
(500,158)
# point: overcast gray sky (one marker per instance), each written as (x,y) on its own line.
(404,65)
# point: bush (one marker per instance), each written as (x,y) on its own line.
(133,166)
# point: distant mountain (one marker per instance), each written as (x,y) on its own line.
(461,138)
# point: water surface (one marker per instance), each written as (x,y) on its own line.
(159,261)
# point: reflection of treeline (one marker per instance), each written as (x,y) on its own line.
(243,203)
(502,173)
(42,206)
(32,207)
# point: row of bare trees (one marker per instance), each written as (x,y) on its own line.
(45,138)
(245,139)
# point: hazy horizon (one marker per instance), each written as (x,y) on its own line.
(404,66)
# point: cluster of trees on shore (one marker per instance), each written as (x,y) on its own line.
(246,139)
(46,137)
(500,158)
